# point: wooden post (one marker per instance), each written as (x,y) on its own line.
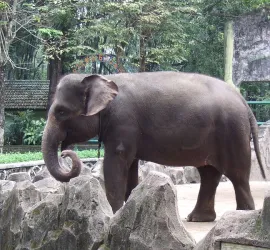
(228,51)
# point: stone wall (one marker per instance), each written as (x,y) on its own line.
(251,59)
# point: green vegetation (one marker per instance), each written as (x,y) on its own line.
(23,129)
(108,36)
(46,39)
(18,157)
(253,91)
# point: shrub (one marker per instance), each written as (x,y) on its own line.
(33,132)
(23,129)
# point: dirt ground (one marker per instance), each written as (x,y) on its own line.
(225,201)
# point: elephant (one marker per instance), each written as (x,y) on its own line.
(170,118)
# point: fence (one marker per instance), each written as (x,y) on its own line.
(261,110)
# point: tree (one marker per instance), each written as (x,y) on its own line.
(205,31)
(14,15)
(58,22)
(140,35)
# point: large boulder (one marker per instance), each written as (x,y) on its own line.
(146,167)
(149,219)
(192,175)
(97,172)
(244,228)
(15,201)
(18,177)
(179,175)
(43,173)
(47,214)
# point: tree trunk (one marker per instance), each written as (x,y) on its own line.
(94,67)
(228,52)
(142,67)
(55,72)
(2,108)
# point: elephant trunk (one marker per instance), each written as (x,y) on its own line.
(52,137)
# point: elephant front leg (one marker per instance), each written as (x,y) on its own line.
(204,209)
(116,166)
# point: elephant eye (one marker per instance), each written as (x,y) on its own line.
(61,112)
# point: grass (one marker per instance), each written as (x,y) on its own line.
(35,156)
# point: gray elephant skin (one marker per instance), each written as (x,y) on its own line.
(170,118)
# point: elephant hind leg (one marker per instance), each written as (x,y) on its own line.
(204,209)
(133,177)
(240,180)
(238,172)
(243,195)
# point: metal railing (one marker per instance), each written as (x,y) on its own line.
(261,110)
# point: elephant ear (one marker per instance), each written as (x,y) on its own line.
(99,93)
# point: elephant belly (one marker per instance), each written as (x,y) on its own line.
(195,148)
(195,157)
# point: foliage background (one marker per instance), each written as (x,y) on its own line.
(108,36)
(45,39)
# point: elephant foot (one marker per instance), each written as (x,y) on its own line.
(201,216)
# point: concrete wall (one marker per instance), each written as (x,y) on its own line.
(251,57)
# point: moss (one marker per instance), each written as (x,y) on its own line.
(36,211)
(68,224)
(57,233)
(258,225)
(34,244)
(104,247)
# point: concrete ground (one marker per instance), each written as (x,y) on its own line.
(225,201)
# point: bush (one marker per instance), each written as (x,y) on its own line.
(23,129)
(253,91)
(33,132)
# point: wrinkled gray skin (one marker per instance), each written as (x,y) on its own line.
(170,118)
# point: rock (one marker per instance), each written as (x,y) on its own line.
(192,175)
(19,198)
(86,171)
(250,228)
(266,214)
(49,185)
(149,219)
(20,176)
(66,163)
(146,167)
(177,175)
(51,215)
(264,142)
(8,197)
(88,211)
(97,172)
(42,174)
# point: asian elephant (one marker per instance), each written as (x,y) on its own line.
(170,118)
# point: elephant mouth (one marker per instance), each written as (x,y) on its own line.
(65,144)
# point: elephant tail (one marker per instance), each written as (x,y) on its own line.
(254,132)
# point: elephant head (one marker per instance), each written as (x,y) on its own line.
(74,113)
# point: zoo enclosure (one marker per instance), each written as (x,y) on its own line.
(261,110)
